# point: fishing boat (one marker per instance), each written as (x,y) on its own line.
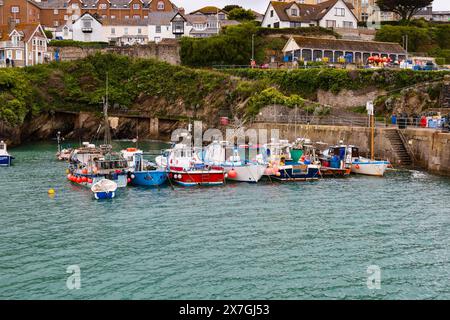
(147,174)
(235,161)
(282,166)
(90,164)
(365,166)
(62,154)
(334,162)
(5,158)
(104,189)
(185,167)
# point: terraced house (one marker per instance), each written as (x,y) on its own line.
(23,44)
(55,13)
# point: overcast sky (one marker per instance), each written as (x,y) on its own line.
(261,5)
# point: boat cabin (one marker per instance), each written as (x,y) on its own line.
(3,148)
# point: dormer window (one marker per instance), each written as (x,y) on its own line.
(102,6)
(74,5)
(136,6)
(294,12)
(161,5)
(15,40)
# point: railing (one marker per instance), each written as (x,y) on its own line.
(407,146)
(316,120)
(11,44)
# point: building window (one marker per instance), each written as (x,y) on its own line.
(136,6)
(55,23)
(136,16)
(113,17)
(104,16)
(294,12)
(113,30)
(158,29)
(66,17)
(348,24)
(74,5)
(276,25)
(364,16)
(139,30)
(271,13)
(19,55)
(331,23)
(125,30)
(15,9)
(339,12)
(66,32)
(102,6)
(55,11)
(160,5)
(127,17)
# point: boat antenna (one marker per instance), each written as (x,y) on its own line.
(58,139)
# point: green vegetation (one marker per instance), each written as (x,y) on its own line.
(78,44)
(241,14)
(48,34)
(234,45)
(306,82)
(423,37)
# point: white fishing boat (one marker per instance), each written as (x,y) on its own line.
(5,157)
(243,163)
(104,189)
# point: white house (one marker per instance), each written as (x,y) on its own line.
(328,14)
(88,29)
(126,32)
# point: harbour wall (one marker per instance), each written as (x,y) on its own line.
(167,51)
(431,149)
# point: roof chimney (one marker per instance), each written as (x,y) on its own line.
(11,24)
(181,11)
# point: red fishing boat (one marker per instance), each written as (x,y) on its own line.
(185,167)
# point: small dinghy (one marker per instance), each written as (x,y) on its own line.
(104,189)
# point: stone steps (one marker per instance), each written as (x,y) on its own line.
(399,148)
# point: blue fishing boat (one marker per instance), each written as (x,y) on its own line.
(5,157)
(147,174)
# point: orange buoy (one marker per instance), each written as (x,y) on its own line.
(89,180)
(84,171)
(83,179)
(69,177)
(78,180)
(232,174)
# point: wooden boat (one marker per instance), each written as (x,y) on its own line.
(185,168)
(5,158)
(104,189)
(333,162)
(235,162)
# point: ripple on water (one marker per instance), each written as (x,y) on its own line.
(241,241)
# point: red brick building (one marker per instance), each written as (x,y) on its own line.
(54,13)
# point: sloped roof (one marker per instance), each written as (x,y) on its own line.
(208,10)
(25,29)
(308,12)
(349,45)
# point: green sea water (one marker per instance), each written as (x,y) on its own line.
(240,241)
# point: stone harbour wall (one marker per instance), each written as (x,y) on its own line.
(431,149)
(165,51)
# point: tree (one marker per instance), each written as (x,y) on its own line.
(241,14)
(230,7)
(406,9)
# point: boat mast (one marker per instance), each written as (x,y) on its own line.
(107,136)
(370,112)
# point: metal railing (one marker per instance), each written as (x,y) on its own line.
(11,44)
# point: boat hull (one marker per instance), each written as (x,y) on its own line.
(370,168)
(104,195)
(6,161)
(148,178)
(196,177)
(297,173)
(246,173)
(335,172)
